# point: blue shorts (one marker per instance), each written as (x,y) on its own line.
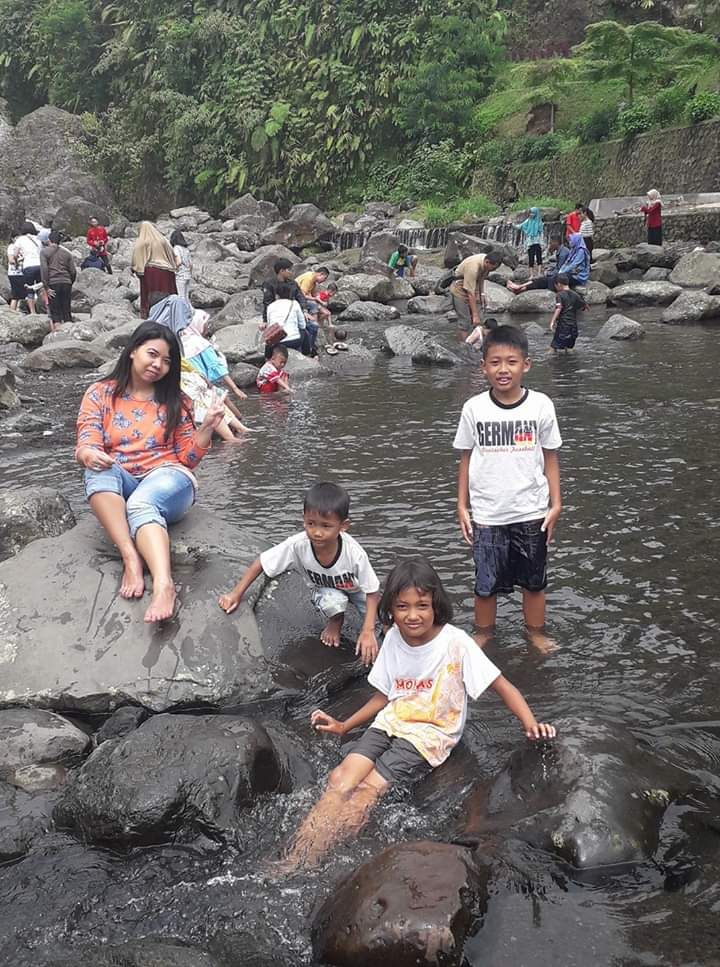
(162,497)
(508,556)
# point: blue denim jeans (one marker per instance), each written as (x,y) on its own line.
(162,497)
(309,338)
(331,602)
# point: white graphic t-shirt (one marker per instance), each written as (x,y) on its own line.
(507,466)
(427,686)
(350,571)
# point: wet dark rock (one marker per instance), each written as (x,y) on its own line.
(692,305)
(369,288)
(137,953)
(645,294)
(621,327)
(357,359)
(8,397)
(24,819)
(261,267)
(243,307)
(429,304)
(33,736)
(420,345)
(89,649)
(30,330)
(29,514)
(413,905)
(368,311)
(39,778)
(176,775)
(122,721)
(592,796)
(68,354)
(696,270)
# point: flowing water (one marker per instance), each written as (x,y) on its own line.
(634,603)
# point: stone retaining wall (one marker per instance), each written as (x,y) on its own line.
(624,230)
(673,160)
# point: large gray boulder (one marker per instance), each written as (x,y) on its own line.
(261,267)
(69,354)
(73,216)
(646,256)
(426,278)
(76,331)
(418,344)
(203,297)
(31,513)
(401,289)
(112,315)
(692,305)
(300,367)
(30,330)
(243,307)
(305,226)
(93,287)
(33,736)
(357,359)
(656,274)
(645,294)
(595,293)
(208,250)
(369,312)
(88,649)
(621,327)
(606,272)
(248,205)
(8,397)
(369,288)
(228,276)
(12,210)
(429,305)
(498,298)
(244,374)
(380,246)
(460,245)
(412,905)
(536,301)
(176,776)
(696,270)
(241,342)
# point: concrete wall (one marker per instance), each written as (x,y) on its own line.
(623,230)
(673,160)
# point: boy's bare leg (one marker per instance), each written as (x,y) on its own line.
(485,614)
(352,790)
(330,635)
(534,615)
(110,510)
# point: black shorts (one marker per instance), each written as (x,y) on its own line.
(535,254)
(564,337)
(17,286)
(397,760)
(509,555)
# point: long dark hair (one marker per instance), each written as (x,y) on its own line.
(177,238)
(167,390)
(416,573)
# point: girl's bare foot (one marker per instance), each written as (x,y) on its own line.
(538,639)
(483,636)
(162,603)
(133,580)
(330,635)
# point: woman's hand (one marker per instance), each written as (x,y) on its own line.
(214,415)
(322,722)
(94,459)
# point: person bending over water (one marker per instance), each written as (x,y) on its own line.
(138,444)
(423,675)
(332,564)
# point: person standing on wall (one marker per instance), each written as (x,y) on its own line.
(653,217)
(573,220)
(587,229)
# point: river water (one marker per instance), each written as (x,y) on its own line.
(634,603)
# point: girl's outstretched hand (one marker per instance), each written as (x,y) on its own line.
(323,722)
(541,730)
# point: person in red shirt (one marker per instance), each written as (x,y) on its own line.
(573,220)
(97,239)
(653,217)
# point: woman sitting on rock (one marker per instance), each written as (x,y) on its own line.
(138,443)
(153,261)
(575,265)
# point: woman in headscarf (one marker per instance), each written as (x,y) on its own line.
(532,229)
(153,261)
(575,265)
(653,217)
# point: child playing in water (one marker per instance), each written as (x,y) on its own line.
(332,564)
(271,376)
(563,324)
(508,485)
(423,675)
(480,332)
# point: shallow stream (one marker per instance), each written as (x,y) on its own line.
(634,602)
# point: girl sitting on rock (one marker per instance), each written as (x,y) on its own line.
(423,675)
(138,443)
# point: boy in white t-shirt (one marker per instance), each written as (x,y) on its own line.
(509,485)
(332,563)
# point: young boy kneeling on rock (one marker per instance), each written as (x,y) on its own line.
(331,562)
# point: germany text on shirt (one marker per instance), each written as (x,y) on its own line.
(350,571)
(507,466)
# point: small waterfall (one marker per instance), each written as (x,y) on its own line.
(506,233)
(417,238)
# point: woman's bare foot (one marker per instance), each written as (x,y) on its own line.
(538,639)
(133,580)
(514,286)
(162,603)
(330,635)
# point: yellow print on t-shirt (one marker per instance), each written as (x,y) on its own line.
(429,718)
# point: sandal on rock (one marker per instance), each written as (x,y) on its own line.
(331,350)
(341,347)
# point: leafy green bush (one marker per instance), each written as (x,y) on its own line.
(704,106)
(634,120)
(538,147)
(437,215)
(669,105)
(597,125)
